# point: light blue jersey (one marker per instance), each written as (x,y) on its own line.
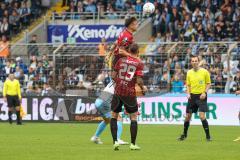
(103,102)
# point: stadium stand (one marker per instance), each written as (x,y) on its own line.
(180,29)
(17,15)
(197,20)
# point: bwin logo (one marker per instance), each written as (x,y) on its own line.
(84,33)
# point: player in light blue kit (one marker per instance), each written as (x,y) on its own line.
(103,105)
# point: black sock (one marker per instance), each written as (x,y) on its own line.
(113,126)
(133,130)
(18,117)
(10,116)
(186,126)
(206,128)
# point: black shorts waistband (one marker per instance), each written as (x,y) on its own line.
(12,95)
(197,94)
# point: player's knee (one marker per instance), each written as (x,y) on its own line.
(188,117)
(106,120)
(133,116)
(114,115)
(98,103)
(202,116)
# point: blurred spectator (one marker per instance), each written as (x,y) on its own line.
(33,62)
(138,6)
(111,14)
(151,47)
(237,80)
(165,78)
(177,85)
(45,61)
(79,10)
(47,90)
(17,14)
(102,47)
(5,27)
(36,8)
(22,65)
(17,73)
(31,91)
(14,21)
(230,86)
(156,22)
(4,47)
(33,48)
(25,12)
(60,85)
(159,39)
(72,80)
(90,6)
(119,4)
(219,84)
(156,77)
(7,68)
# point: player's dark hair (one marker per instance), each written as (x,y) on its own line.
(193,56)
(134,48)
(129,21)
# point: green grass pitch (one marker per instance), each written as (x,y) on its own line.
(71,141)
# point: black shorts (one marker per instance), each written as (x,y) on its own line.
(130,104)
(196,103)
(13,101)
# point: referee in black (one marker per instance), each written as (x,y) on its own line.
(198,82)
(12,95)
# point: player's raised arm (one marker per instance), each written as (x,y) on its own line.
(111,51)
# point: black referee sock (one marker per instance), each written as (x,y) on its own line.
(113,125)
(186,126)
(18,117)
(133,130)
(206,127)
(10,116)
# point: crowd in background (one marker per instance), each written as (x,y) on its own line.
(173,20)
(16,15)
(199,20)
(212,57)
(161,70)
(33,76)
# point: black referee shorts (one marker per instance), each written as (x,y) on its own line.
(195,104)
(130,104)
(13,101)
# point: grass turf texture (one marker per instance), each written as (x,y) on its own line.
(45,141)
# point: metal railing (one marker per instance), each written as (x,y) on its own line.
(96,16)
